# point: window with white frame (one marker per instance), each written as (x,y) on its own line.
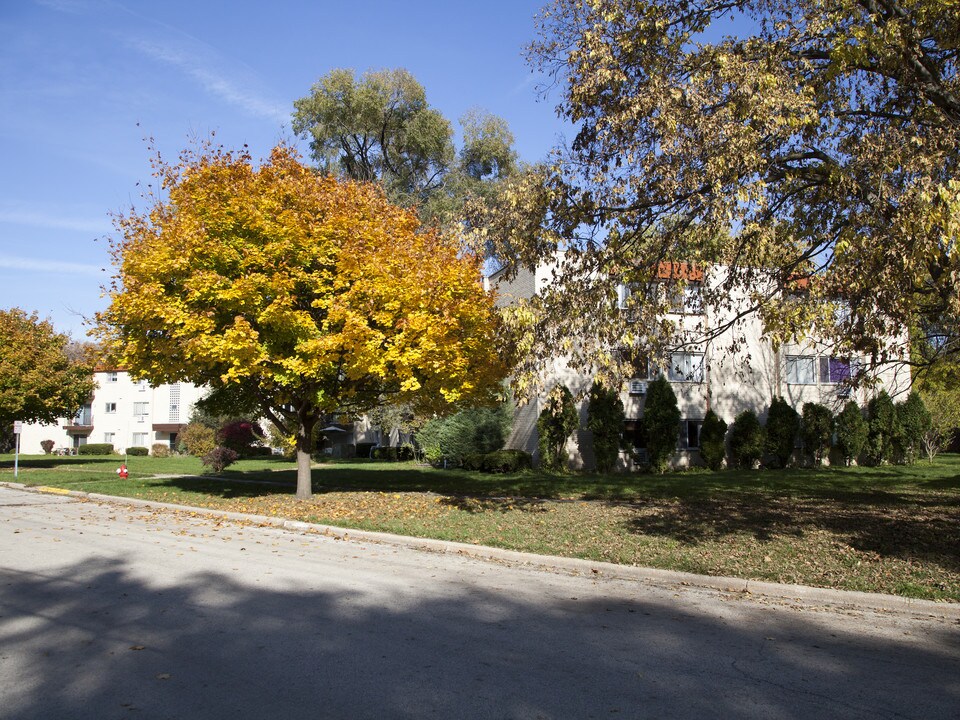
(140,439)
(142,386)
(686,300)
(110,408)
(835,370)
(141,409)
(108,437)
(801,370)
(686,367)
(113,377)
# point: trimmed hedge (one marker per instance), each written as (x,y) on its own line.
(504,461)
(95,449)
(392,453)
(138,451)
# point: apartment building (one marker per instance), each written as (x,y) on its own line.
(123,412)
(735,370)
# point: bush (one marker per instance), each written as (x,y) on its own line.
(557,422)
(219,458)
(605,418)
(913,422)
(392,453)
(259,451)
(95,449)
(713,435)
(198,439)
(851,432)
(504,461)
(783,426)
(365,449)
(47,446)
(661,423)
(239,435)
(746,439)
(882,428)
(160,450)
(469,432)
(816,430)
(137,451)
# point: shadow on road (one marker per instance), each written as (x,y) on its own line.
(92,640)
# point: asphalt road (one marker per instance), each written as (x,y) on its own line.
(112,611)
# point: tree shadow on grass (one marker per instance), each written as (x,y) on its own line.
(889,524)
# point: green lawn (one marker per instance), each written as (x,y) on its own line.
(889,529)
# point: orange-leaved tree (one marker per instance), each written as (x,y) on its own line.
(306,294)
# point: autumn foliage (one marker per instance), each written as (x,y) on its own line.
(311,294)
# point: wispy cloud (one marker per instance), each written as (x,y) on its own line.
(53,219)
(214,82)
(48,266)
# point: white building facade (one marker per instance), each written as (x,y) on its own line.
(123,412)
(734,371)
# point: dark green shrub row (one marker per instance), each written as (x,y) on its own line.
(95,449)
(499,461)
(138,451)
(393,454)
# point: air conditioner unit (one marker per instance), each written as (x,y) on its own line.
(638,387)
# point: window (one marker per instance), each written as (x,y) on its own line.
(690,433)
(835,370)
(142,386)
(110,408)
(634,434)
(800,370)
(112,377)
(686,367)
(686,300)
(140,439)
(84,416)
(141,409)
(108,437)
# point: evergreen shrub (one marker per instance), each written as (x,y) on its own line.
(605,418)
(816,431)
(747,439)
(661,423)
(783,427)
(713,434)
(137,451)
(557,422)
(852,430)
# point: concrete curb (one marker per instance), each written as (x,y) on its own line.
(799,594)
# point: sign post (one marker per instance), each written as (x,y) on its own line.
(17,429)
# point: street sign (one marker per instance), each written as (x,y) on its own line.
(17,427)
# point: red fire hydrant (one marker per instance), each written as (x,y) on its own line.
(122,471)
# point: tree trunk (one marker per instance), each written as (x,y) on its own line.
(304,451)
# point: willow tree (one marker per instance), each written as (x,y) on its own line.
(303,293)
(816,149)
(379,127)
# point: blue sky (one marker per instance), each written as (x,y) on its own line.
(82,82)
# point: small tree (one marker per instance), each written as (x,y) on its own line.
(747,439)
(913,422)
(239,435)
(852,432)
(661,423)
(605,418)
(816,430)
(882,428)
(944,408)
(219,458)
(713,435)
(783,426)
(556,423)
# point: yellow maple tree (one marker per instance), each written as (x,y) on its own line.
(309,295)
